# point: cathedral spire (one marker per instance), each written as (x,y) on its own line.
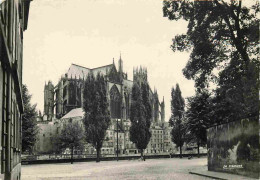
(120,64)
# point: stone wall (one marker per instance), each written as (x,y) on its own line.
(44,143)
(234,148)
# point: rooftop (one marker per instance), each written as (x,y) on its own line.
(77,71)
(78,112)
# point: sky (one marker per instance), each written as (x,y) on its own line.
(91,33)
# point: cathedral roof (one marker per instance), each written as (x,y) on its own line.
(103,69)
(78,112)
(77,71)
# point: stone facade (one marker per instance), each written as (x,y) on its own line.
(49,100)
(13,22)
(44,139)
(67,96)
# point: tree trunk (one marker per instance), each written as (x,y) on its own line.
(198,150)
(98,154)
(180,151)
(71,153)
(142,155)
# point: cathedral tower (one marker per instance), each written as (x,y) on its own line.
(120,69)
(120,65)
(49,99)
(140,75)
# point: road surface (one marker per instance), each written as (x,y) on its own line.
(173,168)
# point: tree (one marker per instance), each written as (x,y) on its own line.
(71,136)
(214,27)
(140,116)
(56,144)
(29,125)
(145,90)
(198,116)
(223,37)
(177,118)
(237,94)
(97,117)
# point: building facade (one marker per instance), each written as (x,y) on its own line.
(67,96)
(13,22)
(68,93)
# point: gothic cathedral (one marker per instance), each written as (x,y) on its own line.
(68,93)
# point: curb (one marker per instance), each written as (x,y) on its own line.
(214,177)
(49,161)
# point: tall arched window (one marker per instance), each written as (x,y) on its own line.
(115,103)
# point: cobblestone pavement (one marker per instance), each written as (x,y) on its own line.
(126,169)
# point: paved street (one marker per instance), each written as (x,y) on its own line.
(126,169)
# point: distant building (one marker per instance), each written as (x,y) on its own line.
(67,94)
(49,100)
(168,145)
(13,22)
(50,129)
(62,100)
(156,142)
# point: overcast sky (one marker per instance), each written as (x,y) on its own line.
(93,32)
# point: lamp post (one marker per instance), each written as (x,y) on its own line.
(117,139)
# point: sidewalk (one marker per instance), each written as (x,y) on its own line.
(217,175)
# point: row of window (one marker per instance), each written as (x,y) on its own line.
(10,128)
(157,140)
(157,135)
(11,20)
(157,131)
(156,145)
(11,13)
(108,144)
